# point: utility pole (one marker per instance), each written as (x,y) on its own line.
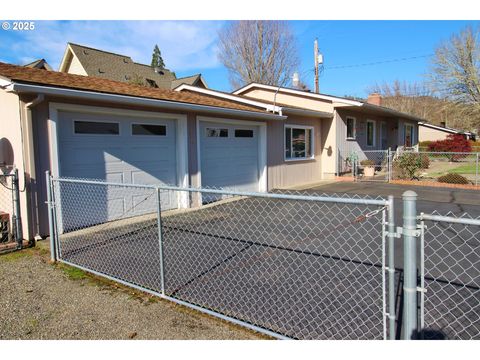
(315,54)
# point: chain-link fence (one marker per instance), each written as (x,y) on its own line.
(437,167)
(450,277)
(296,265)
(9,217)
(372,165)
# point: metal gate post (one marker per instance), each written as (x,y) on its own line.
(410,265)
(391,268)
(18,218)
(476,169)
(160,242)
(53,255)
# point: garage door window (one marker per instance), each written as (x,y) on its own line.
(149,129)
(217,132)
(298,143)
(96,127)
(244,133)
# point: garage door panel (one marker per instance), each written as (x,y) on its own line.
(122,158)
(230,162)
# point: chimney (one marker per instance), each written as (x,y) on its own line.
(375,99)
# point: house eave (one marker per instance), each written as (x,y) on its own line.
(133,100)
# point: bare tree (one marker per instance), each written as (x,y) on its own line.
(455,68)
(419,99)
(258,51)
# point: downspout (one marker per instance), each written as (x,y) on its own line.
(29,147)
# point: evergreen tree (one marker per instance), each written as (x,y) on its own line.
(157,60)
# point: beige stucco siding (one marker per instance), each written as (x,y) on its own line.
(75,67)
(11,129)
(429,134)
(288,99)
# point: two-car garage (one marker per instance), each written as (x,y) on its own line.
(131,147)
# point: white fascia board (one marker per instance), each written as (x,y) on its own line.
(127,99)
(222,95)
(5,83)
(299,92)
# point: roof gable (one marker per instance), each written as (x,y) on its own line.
(115,67)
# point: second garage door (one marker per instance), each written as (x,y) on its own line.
(229,156)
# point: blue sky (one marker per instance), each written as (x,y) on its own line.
(190,47)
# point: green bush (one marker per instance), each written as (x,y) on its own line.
(453,179)
(367,162)
(407,165)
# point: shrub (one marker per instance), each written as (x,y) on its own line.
(453,179)
(367,162)
(424,161)
(453,143)
(407,165)
(424,144)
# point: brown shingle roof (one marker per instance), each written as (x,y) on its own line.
(90,83)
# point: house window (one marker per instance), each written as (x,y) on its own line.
(370,133)
(217,132)
(244,133)
(408,135)
(351,130)
(96,127)
(149,129)
(298,143)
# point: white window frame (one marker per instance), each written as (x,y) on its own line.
(312,142)
(412,134)
(354,137)
(374,133)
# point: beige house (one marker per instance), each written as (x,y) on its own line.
(352,126)
(431,132)
(90,127)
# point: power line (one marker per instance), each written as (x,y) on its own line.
(378,62)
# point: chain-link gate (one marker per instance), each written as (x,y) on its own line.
(291,265)
(10,220)
(372,165)
(449,277)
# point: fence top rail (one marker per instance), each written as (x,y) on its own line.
(449,219)
(317,198)
(444,152)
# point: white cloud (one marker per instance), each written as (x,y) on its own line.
(185,45)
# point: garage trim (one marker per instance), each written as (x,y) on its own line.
(181,137)
(262,148)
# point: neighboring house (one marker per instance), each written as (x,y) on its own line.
(345,127)
(87,61)
(91,127)
(431,132)
(40,64)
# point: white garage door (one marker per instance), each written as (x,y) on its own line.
(229,156)
(121,150)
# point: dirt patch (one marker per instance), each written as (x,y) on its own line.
(54,301)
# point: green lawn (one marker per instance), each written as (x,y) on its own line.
(464,169)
